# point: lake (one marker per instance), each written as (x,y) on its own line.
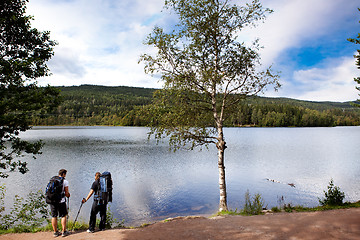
(152,182)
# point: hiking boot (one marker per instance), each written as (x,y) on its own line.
(90,231)
(66,233)
(57,234)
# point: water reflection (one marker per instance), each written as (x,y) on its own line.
(151,182)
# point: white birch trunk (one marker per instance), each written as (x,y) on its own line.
(222,183)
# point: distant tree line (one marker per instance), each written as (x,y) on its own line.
(95,105)
(286,115)
(124,106)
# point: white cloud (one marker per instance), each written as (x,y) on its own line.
(100,42)
(334,82)
(67,62)
(296,23)
(304,23)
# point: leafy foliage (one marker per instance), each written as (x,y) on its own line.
(2,197)
(253,206)
(28,213)
(204,68)
(333,197)
(206,71)
(175,114)
(23,55)
(111,221)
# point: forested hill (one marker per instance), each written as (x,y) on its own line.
(119,106)
(95,90)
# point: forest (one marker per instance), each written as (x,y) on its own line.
(89,105)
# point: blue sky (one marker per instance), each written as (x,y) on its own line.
(100,42)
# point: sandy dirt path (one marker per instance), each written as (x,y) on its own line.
(333,224)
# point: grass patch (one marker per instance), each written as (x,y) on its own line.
(253,206)
(79,226)
(230,212)
(145,225)
(21,229)
(275,209)
(289,208)
(324,208)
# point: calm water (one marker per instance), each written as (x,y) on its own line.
(153,183)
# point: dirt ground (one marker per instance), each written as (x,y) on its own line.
(334,224)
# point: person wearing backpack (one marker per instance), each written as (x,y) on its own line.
(102,187)
(56,191)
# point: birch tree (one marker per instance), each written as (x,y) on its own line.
(206,71)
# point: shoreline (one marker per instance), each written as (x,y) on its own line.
(330,224)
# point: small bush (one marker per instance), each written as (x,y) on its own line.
(253,207)
(275,209)
(111,221)
(333,196)
(2,196)
(288,207)
(29,213)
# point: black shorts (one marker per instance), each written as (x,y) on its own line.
(58,209)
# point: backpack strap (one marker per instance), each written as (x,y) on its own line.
(63,187)
(98,191)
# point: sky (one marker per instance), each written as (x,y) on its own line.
(100,43)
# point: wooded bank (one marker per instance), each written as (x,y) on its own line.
(123,106)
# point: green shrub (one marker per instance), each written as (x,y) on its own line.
(111,221)
(26,214)
(275,209)
(288,207)
(253,207)
(333,196)
(2,196)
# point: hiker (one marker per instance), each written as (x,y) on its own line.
(56,198)
(102,196)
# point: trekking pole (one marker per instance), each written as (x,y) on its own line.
(77,216)
(68,207)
